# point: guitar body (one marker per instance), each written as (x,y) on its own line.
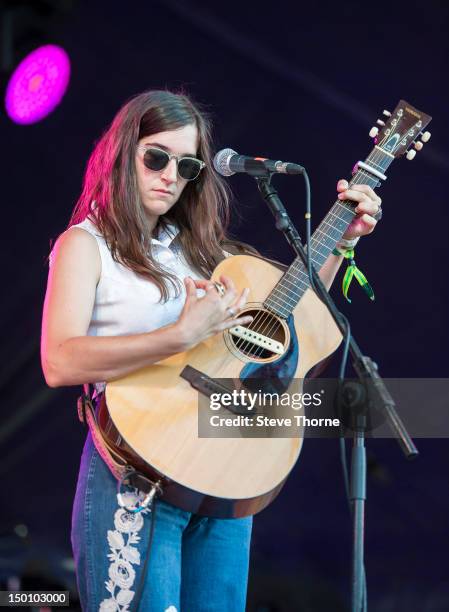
(154,411)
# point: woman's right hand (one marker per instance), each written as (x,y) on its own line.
(203,317)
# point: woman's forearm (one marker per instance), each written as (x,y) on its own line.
(329,270)
(86,359)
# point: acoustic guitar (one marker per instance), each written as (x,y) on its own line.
(151,415)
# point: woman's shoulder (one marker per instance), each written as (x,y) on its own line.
(78,239)
(236,247)
(89,226)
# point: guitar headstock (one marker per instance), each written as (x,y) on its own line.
(399,131)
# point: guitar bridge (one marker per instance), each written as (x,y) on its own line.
(257,339)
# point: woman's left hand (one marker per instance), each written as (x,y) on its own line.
(368,205)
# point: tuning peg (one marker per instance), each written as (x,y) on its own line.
(374,131)
(380,122)
(386,113)
(418,145)
(425,137)
(411,154)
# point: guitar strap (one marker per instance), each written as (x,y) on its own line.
(87,415)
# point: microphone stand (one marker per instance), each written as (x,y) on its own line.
(367,372)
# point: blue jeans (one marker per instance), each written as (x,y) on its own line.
(197,564)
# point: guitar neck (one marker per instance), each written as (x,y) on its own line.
(293,284)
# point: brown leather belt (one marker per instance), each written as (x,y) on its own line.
(124,464)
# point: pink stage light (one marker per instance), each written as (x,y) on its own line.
(37,85)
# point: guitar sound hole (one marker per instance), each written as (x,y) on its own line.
(264,327)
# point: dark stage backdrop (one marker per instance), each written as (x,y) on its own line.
(301,82)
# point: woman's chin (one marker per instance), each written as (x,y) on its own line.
(158,207)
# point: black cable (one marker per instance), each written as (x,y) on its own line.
(309,231)
(347,337)
(139,589)
(343,364)
(341,377)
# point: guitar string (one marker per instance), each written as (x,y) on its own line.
(316,249)
(315,246)
(291,296)
(286,301)
(317,253)
(316,243)
(278,296)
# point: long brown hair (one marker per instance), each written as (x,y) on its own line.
(110,195)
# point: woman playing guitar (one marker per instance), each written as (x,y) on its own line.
(120,297)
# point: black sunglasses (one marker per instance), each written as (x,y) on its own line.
(189,168)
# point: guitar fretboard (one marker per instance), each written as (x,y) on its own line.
(293,284)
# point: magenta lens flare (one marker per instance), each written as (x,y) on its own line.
(37,85)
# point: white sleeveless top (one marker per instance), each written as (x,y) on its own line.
(126,303)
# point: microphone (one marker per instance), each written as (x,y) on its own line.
(228,162)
